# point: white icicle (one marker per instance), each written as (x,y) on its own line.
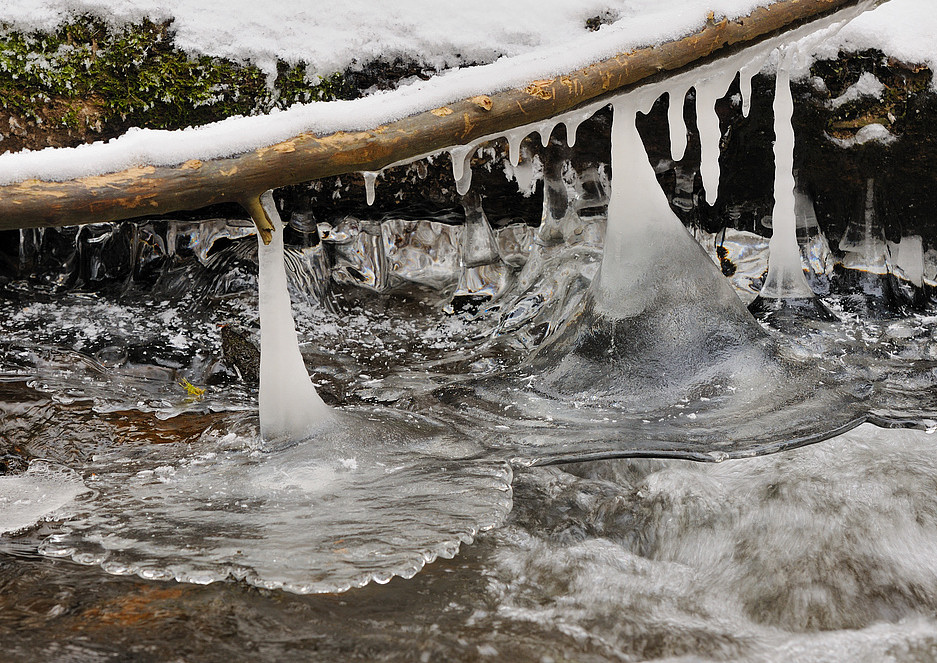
(545,129)
(785,268)
(289,404)
(369,178)
(515,137)
(745,88)
(643,233)
(710,134)
(462,167)
(638,212)
(572,122)
(678,138)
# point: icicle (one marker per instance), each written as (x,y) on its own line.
(642,235)
(630,205)
(745,87)
(785,268)
(572,122)
(707,121)
(677,123)
(462,167)
(515,137)
(863,242)
(747,73)
(545,129)
(370,176)
(289,404)
(478,245)
(24,251)
(556,195)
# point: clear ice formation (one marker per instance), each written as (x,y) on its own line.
(382,494)
(664,366)
(326,501)
(678,131)
(43,492)
(289,406)
(785,278)
(638,365)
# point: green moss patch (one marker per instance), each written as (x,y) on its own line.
(86,81)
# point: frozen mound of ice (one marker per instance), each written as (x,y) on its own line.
(377,495)
(661,357)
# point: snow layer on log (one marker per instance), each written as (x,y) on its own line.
(438,33)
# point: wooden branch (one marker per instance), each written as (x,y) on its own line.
(150,190)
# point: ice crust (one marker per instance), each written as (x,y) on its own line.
(42,492)
(380,495)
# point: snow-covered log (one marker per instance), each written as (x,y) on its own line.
(148,190)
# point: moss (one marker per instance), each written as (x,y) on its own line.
(87,81)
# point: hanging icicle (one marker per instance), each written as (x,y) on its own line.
(678,133)
(708,92)
(289,405)
(369,179)
(785,278)
(462,167)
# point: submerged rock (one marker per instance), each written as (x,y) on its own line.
(240,352)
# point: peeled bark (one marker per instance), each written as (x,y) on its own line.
(150,190)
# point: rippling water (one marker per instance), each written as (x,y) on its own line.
(823,552)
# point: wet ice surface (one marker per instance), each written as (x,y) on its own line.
(332,512)
(823,554)
(819,554)
(39,493)
(373,498)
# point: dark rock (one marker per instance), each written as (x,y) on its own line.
(240,352)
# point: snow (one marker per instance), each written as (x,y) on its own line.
(867,86)
(331,36)
(903,29)
(527,39)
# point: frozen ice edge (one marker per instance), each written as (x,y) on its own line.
(233,572)
(40,494)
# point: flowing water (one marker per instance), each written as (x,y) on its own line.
(742,490)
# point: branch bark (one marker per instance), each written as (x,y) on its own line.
(150,190)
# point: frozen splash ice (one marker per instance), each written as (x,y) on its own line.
(327,501)
(379,496)
(643,233)
(290,408)
(672,365)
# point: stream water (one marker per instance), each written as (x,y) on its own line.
(742,490)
